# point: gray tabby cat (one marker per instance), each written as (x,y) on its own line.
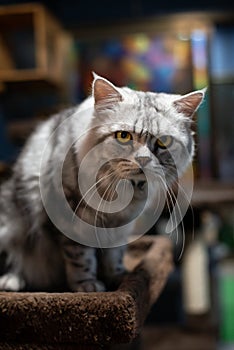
(133,130)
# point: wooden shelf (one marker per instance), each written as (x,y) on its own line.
(225,79)
(212,192)
(33,45)
(22,75)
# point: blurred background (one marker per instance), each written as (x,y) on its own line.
(48,50)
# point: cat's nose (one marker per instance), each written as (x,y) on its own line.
(143,160)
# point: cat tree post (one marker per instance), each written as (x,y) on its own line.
(34,320)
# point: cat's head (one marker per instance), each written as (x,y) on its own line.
(138,130)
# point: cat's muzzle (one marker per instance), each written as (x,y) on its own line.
(140,185)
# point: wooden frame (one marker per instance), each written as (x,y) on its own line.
(51,44)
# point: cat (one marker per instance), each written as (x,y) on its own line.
(125,133)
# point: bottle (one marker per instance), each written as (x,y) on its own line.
(196,285)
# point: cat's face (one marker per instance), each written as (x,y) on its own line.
(139,132)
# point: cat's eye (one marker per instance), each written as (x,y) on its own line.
(164,141)
(123,137)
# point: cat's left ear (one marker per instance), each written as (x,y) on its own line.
(105,93)
(188,104)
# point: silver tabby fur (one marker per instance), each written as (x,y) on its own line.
(39,257)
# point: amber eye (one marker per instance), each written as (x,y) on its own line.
(123,137)
(164,141)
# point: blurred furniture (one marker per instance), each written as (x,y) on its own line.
(212,192)
(37,71)
(33,46)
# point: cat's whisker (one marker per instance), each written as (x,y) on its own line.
(113,191)
(174,202)
(95,190)
(101,201)
(90,198)
(170,177)
(97,211)
(181,217)
(116,177)
(169,199)
(188,203)
(121,194)
(182,224)
(89,190)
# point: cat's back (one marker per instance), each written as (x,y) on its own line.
(52,136)
(40,139)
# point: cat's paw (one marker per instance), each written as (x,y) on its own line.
(11,282)
(89,286)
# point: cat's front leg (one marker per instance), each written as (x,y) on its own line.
(81,267)
(111,266)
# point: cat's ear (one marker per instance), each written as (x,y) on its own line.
(188,104)
(105,93)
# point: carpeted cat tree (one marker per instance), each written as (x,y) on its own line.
(89,320)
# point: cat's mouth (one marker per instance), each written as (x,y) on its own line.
(116,170)
(140,185)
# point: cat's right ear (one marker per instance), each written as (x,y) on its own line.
(188,104)
(105,94)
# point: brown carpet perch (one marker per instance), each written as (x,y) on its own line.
(89,320)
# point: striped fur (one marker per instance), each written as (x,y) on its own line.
(39,257)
